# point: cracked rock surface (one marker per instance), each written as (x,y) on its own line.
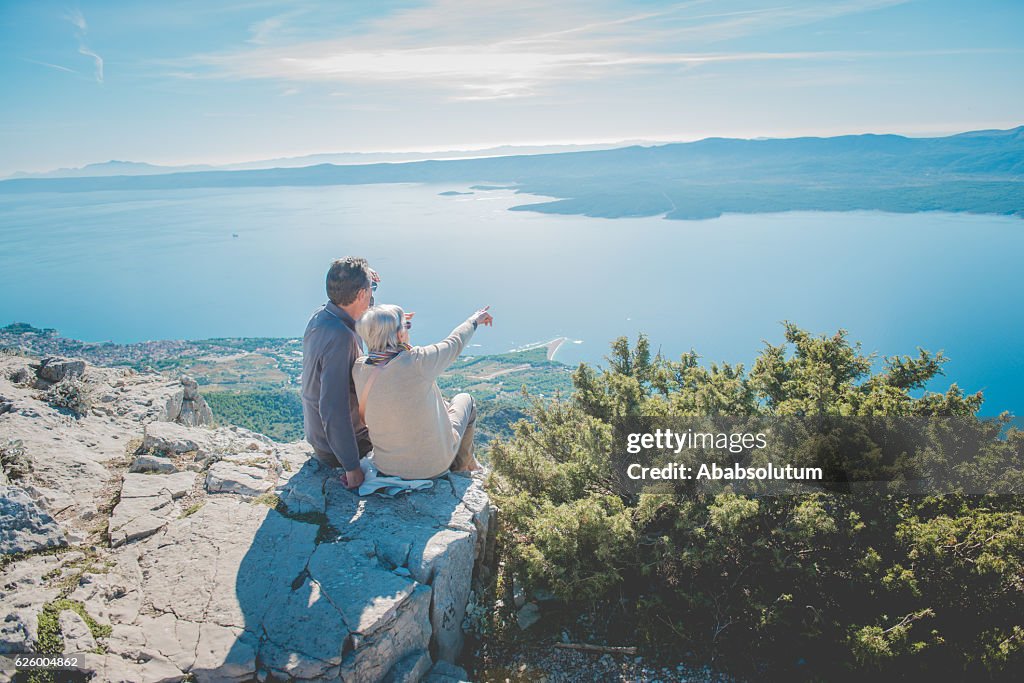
(24,525)
(227,557)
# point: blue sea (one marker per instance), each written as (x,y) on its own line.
(198,263)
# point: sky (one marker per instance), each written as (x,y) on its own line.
(238,80)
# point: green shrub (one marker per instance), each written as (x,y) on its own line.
(818,586)
(71,394)
(577,549)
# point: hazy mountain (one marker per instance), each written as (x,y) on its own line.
(117,168)
(979,172)
(111,168)
(357,158)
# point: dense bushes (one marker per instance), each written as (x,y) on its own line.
(821,586)
(275,413)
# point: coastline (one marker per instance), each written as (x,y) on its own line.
(553,346)
(550,346)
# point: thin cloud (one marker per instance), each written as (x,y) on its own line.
(97,61)
(504,49)
(724,26)
(77,19)
(277,27)
(486,73)
(261,31)
(58,67)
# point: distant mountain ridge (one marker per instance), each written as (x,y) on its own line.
(976,172)
(111,168)
(115,168)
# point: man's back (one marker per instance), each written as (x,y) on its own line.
(330,410)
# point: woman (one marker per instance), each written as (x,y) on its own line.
(416,434)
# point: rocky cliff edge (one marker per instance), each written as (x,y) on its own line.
(163,551)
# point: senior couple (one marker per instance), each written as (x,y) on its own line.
(387,401)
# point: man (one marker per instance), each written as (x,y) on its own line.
(329,348)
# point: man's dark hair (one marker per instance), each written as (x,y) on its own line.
(346,278)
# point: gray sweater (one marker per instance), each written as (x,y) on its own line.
(329,410)
(405,412)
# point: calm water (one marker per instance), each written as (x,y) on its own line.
(129,266)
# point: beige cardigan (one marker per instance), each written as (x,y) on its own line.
(406,416)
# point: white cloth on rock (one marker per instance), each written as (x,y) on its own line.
(381,484)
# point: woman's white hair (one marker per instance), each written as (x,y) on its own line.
(379,327)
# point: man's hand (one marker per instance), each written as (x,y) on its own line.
(352,479)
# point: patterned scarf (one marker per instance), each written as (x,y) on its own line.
(382,357)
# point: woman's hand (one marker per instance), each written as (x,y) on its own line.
(482,317)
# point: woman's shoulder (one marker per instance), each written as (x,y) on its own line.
(413,357)
(407,357)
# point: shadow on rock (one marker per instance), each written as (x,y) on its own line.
(334,586)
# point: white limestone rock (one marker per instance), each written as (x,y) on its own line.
(374,656)
(344,570)
(23,592)
(54,501)
(410,669)
(126,641)
(445,561)
(147,505)
(171,438)
(24,526)
(223,653)
(231,477)
(225,562)
(332,586)
(54,369)
(187,406)
(78,638)
(137,518)
(115,669)
(152,463)
(146,485)
(302,491)
(295,652)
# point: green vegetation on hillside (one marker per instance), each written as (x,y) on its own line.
(252,382)
(837,583)
(25,328)
(497,384)
(275,413)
